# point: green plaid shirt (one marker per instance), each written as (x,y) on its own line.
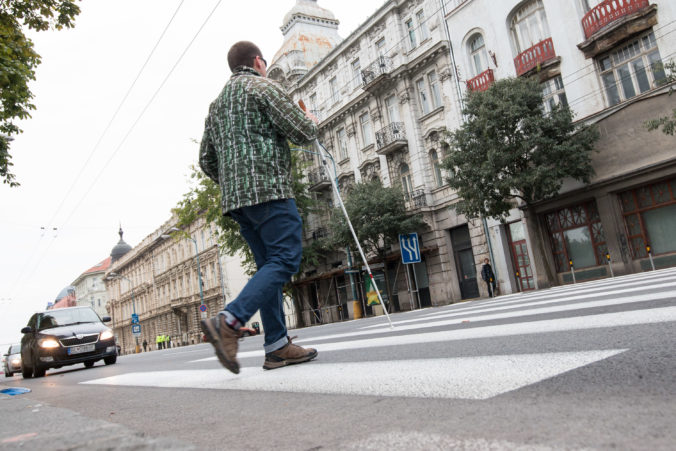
(244,148)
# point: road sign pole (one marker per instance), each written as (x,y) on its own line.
(417,289)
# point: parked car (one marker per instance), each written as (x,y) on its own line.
(11,361)
(66,336)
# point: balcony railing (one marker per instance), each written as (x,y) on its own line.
(381,66)
(318,178)
(481,82)
(608,12)
(319,233)
(415,199)
(390,136)
(540,53)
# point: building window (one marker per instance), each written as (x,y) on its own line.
(529,25)
(356,74)
(436,167)
(366,130)
(342,144)
(477,54)
(422,92)
(633,68)
(411,34)
(577,234)
(650,218)
(433,80)
(405,177)
(553,93)
(333,87)
(392,107)
(424,30)
(380,47)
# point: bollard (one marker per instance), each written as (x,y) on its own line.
(610,264)
(650,255)
(572,270)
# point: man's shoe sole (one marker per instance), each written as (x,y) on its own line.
(267,365)
(213,337)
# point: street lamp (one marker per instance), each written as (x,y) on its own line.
(113,276)
(203,311)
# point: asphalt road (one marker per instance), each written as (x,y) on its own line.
(591,366)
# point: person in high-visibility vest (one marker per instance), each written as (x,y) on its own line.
(158,341)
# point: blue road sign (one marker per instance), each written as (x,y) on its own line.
(136,329)
(134,318)
(203,307)
(410,248)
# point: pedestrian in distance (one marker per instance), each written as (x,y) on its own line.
(245,150)
(168,341)
(488,277)
(145,345)
(158,341)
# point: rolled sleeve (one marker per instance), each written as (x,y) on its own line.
(289,120)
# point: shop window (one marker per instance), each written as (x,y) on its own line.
(631,69)
(577,234)
(650,218)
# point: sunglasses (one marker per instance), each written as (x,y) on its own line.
(262,59)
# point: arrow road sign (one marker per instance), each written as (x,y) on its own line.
(134,318)
(410,248)
(136,330)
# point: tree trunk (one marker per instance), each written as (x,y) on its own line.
(546,277)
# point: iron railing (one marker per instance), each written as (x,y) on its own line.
(415,199)
(381,66)
(389,134)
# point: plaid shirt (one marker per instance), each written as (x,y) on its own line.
(244,148)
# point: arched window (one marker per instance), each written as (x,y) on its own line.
(436,168)
(477,53)
(405,177)
(529,25)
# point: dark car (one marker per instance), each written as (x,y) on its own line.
(11,362)
(66,336)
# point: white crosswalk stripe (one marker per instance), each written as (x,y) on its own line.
(635,300)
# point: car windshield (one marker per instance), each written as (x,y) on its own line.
(58,317)
(14,349)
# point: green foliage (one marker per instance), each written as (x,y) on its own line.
(378,215)
(18,61)
(667,123)
(508,149)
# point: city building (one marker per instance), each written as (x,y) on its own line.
(65,298)
(158,281)
(90,289)
(386,94)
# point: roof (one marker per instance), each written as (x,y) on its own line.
(102,266)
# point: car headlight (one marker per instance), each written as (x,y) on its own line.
(48,343)
(106,334)
(16,361)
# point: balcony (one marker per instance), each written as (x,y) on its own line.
(481,82)
(376,72)
(319,233)
(608,12)
(613,21)
(391,138)
(415,199)
(318,179)
(534,57)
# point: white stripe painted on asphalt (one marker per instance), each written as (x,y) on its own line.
(617,319)
(475,378)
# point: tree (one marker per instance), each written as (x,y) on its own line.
(667,123)
(18,61)
(204,200)
(378,215)
(509,150)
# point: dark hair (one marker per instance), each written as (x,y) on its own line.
(242,54)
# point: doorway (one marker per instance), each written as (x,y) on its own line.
(520,257)
(464,262)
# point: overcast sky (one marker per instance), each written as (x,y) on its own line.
(139,170)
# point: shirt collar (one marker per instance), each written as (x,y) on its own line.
(244,70)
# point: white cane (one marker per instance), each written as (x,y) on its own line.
(347,218)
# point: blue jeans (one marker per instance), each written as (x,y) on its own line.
(273,231)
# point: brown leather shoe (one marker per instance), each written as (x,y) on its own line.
(288,355)
(224,340)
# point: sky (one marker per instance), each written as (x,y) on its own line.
(90,160)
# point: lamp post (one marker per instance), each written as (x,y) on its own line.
(113,276)
(203,312)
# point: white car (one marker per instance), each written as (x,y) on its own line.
(11,361)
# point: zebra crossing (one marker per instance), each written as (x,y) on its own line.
(366,357)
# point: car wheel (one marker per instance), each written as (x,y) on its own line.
(38,371)
(8,374)
(26,372)
(89,363)
(110,360)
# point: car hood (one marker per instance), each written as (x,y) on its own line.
(74,330)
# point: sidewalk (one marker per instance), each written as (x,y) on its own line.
(26,423)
